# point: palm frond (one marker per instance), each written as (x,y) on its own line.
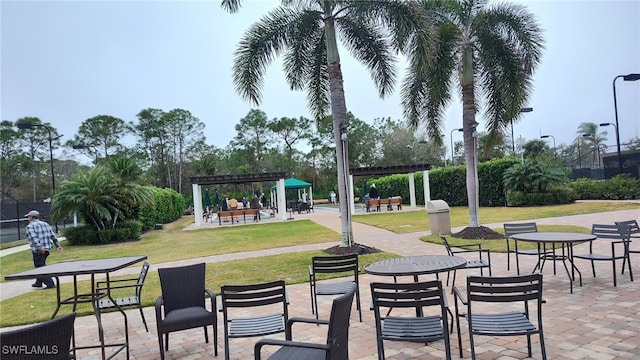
(257,49)
(231,6)
(304,34)
(367,43)
(318,92)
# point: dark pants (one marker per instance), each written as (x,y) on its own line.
(40,260)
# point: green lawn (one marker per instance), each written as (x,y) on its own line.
(413,221)
(174,243)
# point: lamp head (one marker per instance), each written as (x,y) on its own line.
(605,124)
(631,77)
(544,136)
(526,110)
(587,135)
(24,126)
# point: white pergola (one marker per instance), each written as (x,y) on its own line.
(198,181)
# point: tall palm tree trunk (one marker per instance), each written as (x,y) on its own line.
(470,147)
(339,114)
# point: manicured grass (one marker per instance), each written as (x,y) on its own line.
(414,221)
(499,245)
(174,243)
(38,305)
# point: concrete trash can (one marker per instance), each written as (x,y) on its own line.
(439,217)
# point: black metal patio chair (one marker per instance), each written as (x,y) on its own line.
(408,325)
(345,265)
(133,300)
(481,262)
(519,228)
(634,233)
(488,312)
(270,297)
(619,240)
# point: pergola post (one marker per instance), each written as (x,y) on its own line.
(197,203)
(412,190)
(282,199)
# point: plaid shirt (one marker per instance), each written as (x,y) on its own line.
(40,235)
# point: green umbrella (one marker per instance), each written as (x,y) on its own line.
(216,199)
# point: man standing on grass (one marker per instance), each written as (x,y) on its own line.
(41,238)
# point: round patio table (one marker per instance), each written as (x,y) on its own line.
(415,265)
(566,239)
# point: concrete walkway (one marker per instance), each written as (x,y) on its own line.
(597,321)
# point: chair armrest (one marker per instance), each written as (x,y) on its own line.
(100,284)
(477,246)
(293,320)
(459,296)
(214,301)
(310,271)
(159,309)
(275,342)
(444,297)
(120,286)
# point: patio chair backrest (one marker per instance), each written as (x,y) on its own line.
(335,264)
(182,287)
(610,231)
(504,289)
(632,226)
(142,277)
(519,228)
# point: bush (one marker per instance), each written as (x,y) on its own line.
(620,187)
(85,235)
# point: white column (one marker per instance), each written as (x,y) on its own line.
(351,196)
(412,190)
(427,189)
(282,200)
(197,203)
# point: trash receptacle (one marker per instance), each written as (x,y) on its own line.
(439,217)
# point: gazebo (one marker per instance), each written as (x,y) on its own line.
(295,184)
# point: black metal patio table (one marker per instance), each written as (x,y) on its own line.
(92,268)
(415,265)
(566,240)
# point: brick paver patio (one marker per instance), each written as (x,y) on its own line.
(598,321)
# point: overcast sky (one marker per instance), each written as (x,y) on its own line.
(67,61)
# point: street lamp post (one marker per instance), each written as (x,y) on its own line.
(411,147)
(513,140)
(554,142)
(628,77)
(53,174)
(617,143)
(451,137)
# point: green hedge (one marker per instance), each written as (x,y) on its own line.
(450,184)
(169,206)
(620,187)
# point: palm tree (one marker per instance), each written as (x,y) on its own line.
(596,141)
(306,33)
(490,52)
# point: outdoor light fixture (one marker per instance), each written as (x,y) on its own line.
(554,142)
(451,137)
(28,126)
(513,140)
(628,77)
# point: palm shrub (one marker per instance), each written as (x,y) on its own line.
(620,187)
(104,197)
(536,182)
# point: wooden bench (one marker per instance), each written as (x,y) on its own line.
(235,215)
(373,204)
(396,200)
(376,204)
